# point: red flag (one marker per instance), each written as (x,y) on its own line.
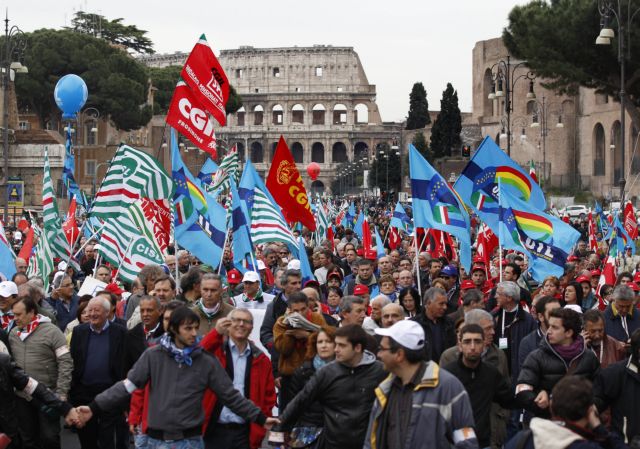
(487,243)
(204,75)
(593,243)
(630,223)
(394,238)
(330,237)
(367,244)
(70,226)
(27,246)
(285,184)
(435,243)
(608,276)
(190,119)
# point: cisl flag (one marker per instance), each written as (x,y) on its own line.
(204,75)
(285,184)
(190,119)
(630,223)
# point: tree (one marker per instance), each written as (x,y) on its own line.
(418,108)
(117,83)
(420,143)
(165,79)
(557,39)
(445,133)
(114,31)
(378,169)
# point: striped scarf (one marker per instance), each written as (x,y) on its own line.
(24,333)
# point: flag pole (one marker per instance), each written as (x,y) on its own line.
(126,251)
(89,239)
(499,228)
(226,240)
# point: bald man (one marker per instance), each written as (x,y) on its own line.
(391,314)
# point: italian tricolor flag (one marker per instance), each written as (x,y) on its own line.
(441,214)
(532,171)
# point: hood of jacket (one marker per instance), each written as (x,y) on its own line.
(367,358)
(550,435)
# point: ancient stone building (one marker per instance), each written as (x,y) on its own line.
(578,140)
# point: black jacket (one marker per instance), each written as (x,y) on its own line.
(618,386)
(79,347)
(484,385)
(346,395)
(12,376)
(136,343)
(447,334)
(544,367)
(515,333)
(275,309)
(312,416)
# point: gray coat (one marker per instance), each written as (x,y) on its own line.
(45,356)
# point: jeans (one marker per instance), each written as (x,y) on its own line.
(187,443)
(141,441)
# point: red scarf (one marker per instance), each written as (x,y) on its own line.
(6,319)
(32,326)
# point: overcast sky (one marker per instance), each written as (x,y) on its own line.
(399,42)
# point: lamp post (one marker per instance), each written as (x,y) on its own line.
(503,81)
(15,44)
(622,11)
(541,114)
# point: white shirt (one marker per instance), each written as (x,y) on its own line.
(242,302)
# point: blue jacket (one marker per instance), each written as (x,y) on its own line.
(64,316)
(440,404)
(613,323)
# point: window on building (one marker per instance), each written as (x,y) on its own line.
(258,115)
(278,115)
(318,115)
(361,112)
(297,151)
(256,90)
(23,125)
(339,89)
(317,153)
(240,116)
(238,73)
(318,71)
(602,98)
(257,154)
(276,72)
(339,114)
(339,152)
(91,133)
(297,114)
(297,89)
(598,150)
(90,167)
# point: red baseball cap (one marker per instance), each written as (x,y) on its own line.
(360,289)
(113,288)
(234,277)
(581,279)
(596,273)
(467,285)
(636,277)
(572,258)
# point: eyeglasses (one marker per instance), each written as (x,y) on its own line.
(382,348)
(241,321)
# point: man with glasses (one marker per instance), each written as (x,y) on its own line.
(250,370)
(510,272)
(64,301)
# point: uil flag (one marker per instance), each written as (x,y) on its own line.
(630,223)
(190,119)
(204,75)
(285,184)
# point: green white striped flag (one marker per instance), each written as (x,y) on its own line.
(322,221)
(267,223)
(41,261)
(52,224)
(133,174)
(126,246)
(229,167)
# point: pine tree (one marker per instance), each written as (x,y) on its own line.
(421,145)
(445,133)
(418,108)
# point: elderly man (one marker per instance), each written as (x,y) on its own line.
(64,301)
(606,348)
(391,314)
(405,279)
(371,323)
(252,296)
(621,317)
(96,349)
(40,349)
(385,267)
(21,265)
(210,307)
(437,326)
(184,261)
(142,334)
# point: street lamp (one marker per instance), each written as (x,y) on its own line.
(15,43)
(540,119)
(503,82)
(624,15)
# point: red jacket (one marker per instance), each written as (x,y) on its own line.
(262,391)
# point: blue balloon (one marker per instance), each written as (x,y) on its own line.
(70,93)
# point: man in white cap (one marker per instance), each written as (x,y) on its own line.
(8,296)
(252,297)
(417,387)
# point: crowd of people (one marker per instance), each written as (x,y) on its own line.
(406,350)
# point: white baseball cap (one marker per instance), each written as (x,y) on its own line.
(294,264)
(8,288)
(62,266)
(406,333)
(251,276)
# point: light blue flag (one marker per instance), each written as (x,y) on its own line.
(400,219)
(305,266)
(545,239)
(357,227)
(200,222)
(242,246)
(435,205)
(478,182)
(619,238)
(68,171)
(7,261)
(350,216)
(208,170)
(379,245)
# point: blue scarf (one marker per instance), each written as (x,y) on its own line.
(181,356)
(318,362)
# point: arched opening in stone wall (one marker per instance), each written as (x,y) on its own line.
(318,114)
(297,151)
(339,152)
(240,113)
(339,114)
(258,115)
(257,153)
(317,186)
(274,145)
(277,115)
(317,153)
(361,113)
(487,105)
(634,149)
(616,147)
(241,155)
(531,107)
(297,114)
(598,150)
(360,151)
